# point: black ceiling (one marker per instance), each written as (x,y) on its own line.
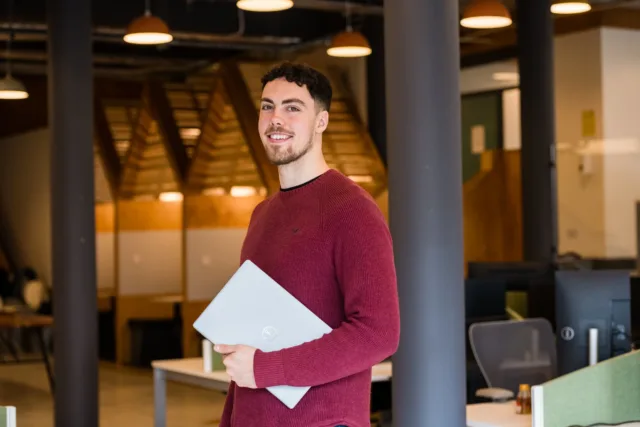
(205,31)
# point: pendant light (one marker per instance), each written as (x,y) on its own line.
(566,7)
(11,88)
(148,30)
(482,14)
(264,5)
(349,43)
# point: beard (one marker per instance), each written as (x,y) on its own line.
(284,155)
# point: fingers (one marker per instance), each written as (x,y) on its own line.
(224,348)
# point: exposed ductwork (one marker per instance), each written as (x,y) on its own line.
(333,6)
(236,41)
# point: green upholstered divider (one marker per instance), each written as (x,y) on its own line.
(607,393)
(517,301)
(483,109)
(7,416)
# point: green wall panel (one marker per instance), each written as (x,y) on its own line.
(485,110)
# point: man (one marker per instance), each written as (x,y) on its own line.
(323,238)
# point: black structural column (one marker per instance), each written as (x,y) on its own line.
(376,94)
(425,209)
(70,87)
(537,112)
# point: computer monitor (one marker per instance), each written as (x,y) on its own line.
(485,299)
(588,300)
(628,264)
(638,236)
(635,310)
(515,274)
(534,278)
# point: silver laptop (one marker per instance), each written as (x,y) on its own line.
(252,309)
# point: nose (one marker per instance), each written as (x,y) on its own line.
(276,120)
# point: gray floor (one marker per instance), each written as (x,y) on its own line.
(126,398)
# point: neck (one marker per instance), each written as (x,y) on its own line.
(309,166)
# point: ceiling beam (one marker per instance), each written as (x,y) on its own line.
(106,147)
(157,101)
(211,124)
(247,114)
(135,153)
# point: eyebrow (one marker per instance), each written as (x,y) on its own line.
(286,101)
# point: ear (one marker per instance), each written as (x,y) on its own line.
(322,121)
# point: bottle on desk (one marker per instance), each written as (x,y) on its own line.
(523,400)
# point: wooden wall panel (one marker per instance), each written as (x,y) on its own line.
(142,215)
(492,209)
(492,224)
(135,307)
(105,217)
(191,310)
(219,211)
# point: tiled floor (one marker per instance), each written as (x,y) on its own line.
(126,398)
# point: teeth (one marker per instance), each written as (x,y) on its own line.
(279,137)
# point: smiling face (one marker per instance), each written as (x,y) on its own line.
(290,123)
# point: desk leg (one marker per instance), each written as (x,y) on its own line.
(45,357)
(160,398)
(7,343)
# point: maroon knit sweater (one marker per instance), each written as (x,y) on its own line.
(328,244)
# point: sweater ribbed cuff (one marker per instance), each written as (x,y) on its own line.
(268,369)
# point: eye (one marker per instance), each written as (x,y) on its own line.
(266,107)
(292,108)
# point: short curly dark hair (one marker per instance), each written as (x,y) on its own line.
(317,84)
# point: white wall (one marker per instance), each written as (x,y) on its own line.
(621,139)
(25,205)
(150,262)
(511,131)
(488,77)
(578,76)
(213,256)
(596,72)
(25,198)
(591,195)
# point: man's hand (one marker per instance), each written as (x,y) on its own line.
(238,359)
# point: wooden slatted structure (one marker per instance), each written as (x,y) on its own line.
(223,162)
(200,136)
(121,118)
(189,101)
(145,167)
(347,145)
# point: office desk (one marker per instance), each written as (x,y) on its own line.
(496,415)
(190,371)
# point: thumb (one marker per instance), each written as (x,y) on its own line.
(224,349)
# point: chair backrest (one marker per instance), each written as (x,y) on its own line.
(514,352)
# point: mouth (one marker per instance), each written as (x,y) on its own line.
(278,137)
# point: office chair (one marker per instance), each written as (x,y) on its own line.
(513,352)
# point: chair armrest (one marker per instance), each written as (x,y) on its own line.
(495,393)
